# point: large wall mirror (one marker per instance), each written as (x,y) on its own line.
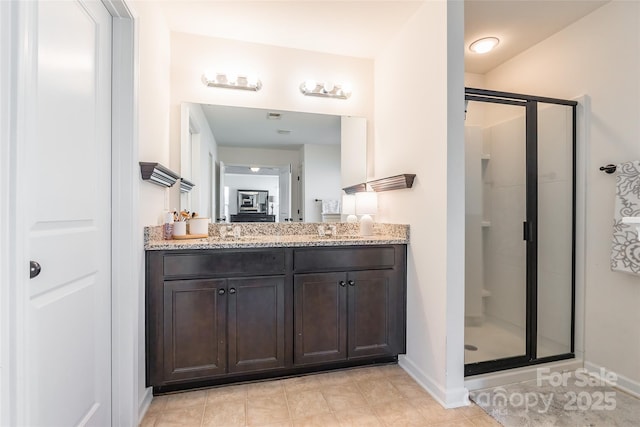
(263,165)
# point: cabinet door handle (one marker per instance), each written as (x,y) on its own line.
(221,291)
(232,291)
(352,283)
(342,283)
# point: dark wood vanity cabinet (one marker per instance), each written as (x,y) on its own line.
(215,326)
(219,315)
(346,315)
(193,329)
(214,313)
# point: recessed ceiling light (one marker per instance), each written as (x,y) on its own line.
(484,45)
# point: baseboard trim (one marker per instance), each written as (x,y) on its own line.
(144,404)
(447,398)
(623,383)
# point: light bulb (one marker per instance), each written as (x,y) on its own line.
(310,85)
(252,80)
(209,76)
(484,45)
(328,87)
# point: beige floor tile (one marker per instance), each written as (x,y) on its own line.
(227,394)
(225,414)
(285,423)
(358,417)
(267,410)
(464,422)
(322,420)
(366,374)
(393,371)
(307,403)
(265,389)
(341,397)
(408,387)
(484,421)
(298,384)
(186,416)
(186,399)
(334,378)
(434,413)
(157,405)
(472,410)
(399,413)
(149,420)
(379,391)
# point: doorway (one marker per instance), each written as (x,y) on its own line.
(520,166)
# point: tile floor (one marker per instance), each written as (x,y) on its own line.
(370,396)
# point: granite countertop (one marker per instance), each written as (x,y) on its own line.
(275,235)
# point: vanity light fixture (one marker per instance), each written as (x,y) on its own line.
(241,81)
(484,45)
(325,89)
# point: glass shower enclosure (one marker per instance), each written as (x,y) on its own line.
(520,154)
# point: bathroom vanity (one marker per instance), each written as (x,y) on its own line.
(261,306)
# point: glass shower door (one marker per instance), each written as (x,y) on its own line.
(520,230)
(496,258)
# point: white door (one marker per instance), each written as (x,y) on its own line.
(284,198)
(67,196)
(223,196)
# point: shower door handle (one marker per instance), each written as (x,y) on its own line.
(526,231)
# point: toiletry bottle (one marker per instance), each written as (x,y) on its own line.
(167,229)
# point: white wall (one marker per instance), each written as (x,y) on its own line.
(419,129)
(598,56)
(198,163)
(321,178)
(153,142)
(281,71)
(474,233)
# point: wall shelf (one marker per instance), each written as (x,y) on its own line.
(358,188)
(186,185)
(158,174)
(396,182)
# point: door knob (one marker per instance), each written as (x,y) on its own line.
(232,291)
(342,283)
(34,269)
(351,283)
(221,291)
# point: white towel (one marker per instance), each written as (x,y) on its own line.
(625,248)
(330,206)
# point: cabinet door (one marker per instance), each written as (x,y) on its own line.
(373,313)
(194,328)
(256,323)
(320,321)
